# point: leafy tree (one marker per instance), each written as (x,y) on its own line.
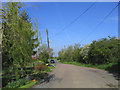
(103,51)
(43,53)
(84,53)
(76,53)
(19,36)
(71,53)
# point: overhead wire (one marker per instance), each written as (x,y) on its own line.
(83,14)
(101,21)
(75,19)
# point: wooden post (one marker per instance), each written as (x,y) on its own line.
(48,45)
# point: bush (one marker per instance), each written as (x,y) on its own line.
(19,39)
(71,53)
(41,67)
(38,76)
(103,51)
(17,83)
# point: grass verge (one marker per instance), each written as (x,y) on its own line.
(29,84)
(111,67)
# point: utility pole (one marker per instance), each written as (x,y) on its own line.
(48,45)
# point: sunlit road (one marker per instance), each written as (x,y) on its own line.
(71,76)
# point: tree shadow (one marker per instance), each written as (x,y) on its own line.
(114,69)
(48,78)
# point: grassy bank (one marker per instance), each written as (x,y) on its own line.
(111,67)
(29,85)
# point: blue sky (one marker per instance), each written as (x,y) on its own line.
(56,16)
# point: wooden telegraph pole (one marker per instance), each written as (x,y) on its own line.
(48,45)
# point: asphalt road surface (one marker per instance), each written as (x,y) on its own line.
(71,76)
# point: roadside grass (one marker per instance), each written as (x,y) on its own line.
(111,67)
(29,84)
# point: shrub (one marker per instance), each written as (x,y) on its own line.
(17,83)
(40,67)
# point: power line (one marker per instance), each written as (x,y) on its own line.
(75,19)
(101,21)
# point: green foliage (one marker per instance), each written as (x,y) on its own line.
(19,39)
(103,51)
(111,67)
(84,53)
(18,42)
(44,54)
(29,84)
(41,67)
(76,53)
(17,83)
(50,68)
(38,76)
(70,53)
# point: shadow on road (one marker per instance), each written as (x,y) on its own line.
(47,78)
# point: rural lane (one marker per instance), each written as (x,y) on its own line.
(71,76)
